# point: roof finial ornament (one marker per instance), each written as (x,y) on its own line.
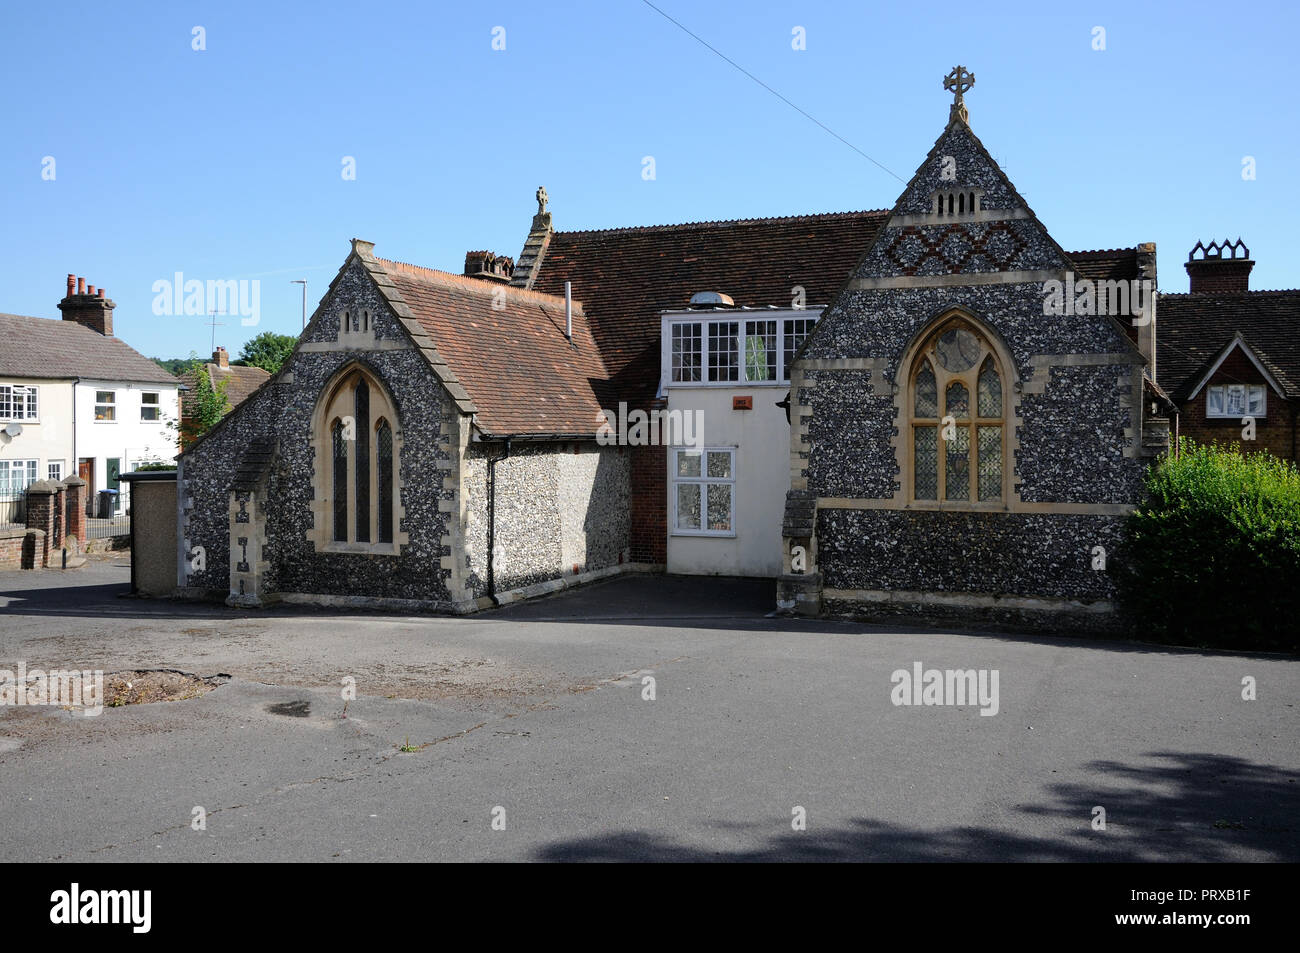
(957,82)
(541,199)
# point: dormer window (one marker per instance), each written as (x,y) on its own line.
(955,203)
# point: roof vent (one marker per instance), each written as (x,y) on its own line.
(711,299)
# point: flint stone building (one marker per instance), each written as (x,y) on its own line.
(896,422)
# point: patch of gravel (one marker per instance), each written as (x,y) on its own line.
(156,685)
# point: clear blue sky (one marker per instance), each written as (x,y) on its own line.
(226,163)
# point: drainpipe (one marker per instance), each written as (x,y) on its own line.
(492,523)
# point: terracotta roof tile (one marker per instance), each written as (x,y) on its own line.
(523,375)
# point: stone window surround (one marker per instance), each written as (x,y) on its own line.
(921,352)
(329,407)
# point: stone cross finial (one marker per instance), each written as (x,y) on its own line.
(541,200)
(959,81)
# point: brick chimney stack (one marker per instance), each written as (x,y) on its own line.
(88,306)
(1222,267)
(488,266)
(221,358)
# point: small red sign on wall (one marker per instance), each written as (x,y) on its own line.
(742,403)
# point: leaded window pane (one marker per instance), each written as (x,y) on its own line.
(990,463)
(384,474)
(719,495)
(688,506)
(1236,400)
(363,461)
(990,391)
(956,455)
(688,463)
(957,402)
(926,463)
(719,464)
(340,483)
(958,350)
(927,392)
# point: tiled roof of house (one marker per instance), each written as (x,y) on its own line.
(240,383)
(62,350)
(1192,330)
(1109,264)
(627,276)
(522,374)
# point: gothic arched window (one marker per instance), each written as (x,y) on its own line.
(957,417)
(359,463)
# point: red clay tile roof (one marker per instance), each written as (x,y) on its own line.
(61,350)
(241,382)
(1191,330)
(523,375)
(626,276)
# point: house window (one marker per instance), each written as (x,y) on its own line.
(1235,400)
(752,351)
(957,411)
(17,402)
(796,329)
(704,492)
(16,476)
(149,407)
(105,405)
(54,470)
(724,350)
(687,351)
(362,445)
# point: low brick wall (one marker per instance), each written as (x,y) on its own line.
(12,542)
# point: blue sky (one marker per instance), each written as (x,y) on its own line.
(226,163)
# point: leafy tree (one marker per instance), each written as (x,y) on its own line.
(172,365)
(205,404)
(268,351)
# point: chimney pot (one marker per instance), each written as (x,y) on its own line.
(90,290)
(1223,267)
(72,284)
(81,286)
(101,292)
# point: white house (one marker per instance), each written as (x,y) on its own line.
(76,399)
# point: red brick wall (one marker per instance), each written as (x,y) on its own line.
(649,491)
(11,550)
(1273,431)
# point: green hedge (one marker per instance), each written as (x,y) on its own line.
(1213,554)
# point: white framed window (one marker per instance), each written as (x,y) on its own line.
(1236,400)
(703,491)
(150,409)
(751,349)
(16,476)
(105,405)
(17,402)
(54,470)
(687,350)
